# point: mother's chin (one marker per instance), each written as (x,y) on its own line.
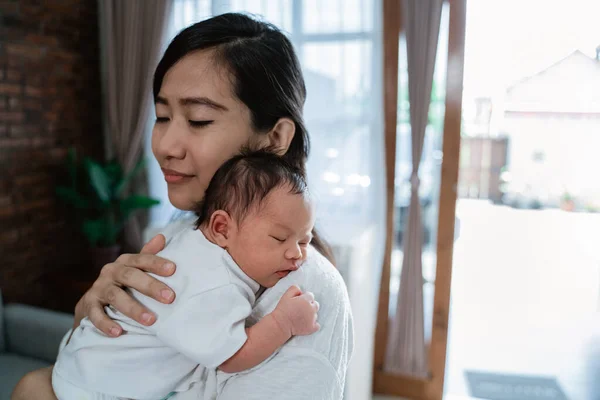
(182,199)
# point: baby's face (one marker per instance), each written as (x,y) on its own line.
(271,243)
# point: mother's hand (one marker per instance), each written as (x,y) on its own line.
(129,270)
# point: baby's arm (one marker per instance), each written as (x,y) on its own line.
(295,314)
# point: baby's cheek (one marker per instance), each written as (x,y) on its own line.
(270,263)
(260,262)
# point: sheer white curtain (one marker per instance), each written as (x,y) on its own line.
(131,33)
(406,353)
(339,43)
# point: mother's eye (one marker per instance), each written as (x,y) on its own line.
(200,124)
(160,120)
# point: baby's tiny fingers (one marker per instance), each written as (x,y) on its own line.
(315,318)
(309,296)
(316,305)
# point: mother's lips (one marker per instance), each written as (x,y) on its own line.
(172,176)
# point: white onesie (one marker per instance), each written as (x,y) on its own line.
(201,329)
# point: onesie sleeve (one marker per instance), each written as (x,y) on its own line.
(209,327)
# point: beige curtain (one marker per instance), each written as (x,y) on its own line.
(406,353)
(131,34)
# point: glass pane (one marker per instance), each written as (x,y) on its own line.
(335,65)
(277,12)
(339,87)
(187,12)
(337,16)
(429,173)
(526,275)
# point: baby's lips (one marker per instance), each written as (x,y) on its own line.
(290,267)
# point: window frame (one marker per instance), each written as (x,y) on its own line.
(383,382)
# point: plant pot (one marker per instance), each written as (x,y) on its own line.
(100,256)
(568,205)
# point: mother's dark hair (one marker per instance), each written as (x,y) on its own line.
(266,76)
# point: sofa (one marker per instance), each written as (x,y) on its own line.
(29,340)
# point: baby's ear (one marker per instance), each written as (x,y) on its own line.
(220,227)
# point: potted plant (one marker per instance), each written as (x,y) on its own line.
(96,192)
(567,202)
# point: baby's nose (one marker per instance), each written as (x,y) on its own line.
(294,252)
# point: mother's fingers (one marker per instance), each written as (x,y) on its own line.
(147,262)
(156,244)
(142,282)
(123,302)
(102,322)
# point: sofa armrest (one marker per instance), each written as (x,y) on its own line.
(35,332)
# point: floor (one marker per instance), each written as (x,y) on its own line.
(525,297)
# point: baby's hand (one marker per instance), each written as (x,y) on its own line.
(296,312)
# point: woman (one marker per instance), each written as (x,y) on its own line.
(222,84)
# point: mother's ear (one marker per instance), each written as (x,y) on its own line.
(221,227)
(281,135)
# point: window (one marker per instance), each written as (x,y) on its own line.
(340,61)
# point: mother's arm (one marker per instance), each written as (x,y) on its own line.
(289,375)
(126,271)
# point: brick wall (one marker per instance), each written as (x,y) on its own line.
(49,100)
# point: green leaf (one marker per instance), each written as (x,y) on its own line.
(101,231)
(136,202)
(112,169)
(123,184)
(94,230)
(99,180)
(71,197)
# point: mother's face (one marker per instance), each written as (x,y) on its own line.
(199,125)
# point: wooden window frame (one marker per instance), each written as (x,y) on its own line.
(384,382)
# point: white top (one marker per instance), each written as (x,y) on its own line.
(307,367)
(205,325)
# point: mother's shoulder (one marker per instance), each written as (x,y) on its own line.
(316,275)
(320,275)
(317,262)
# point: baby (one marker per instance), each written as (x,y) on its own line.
(254,226)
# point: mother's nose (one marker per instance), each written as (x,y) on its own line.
(170,142)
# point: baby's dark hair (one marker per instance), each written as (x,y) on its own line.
(244,181)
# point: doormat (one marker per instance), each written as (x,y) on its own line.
(493,386)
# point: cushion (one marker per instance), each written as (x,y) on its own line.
(34,332)
(12,368)
(2,339)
